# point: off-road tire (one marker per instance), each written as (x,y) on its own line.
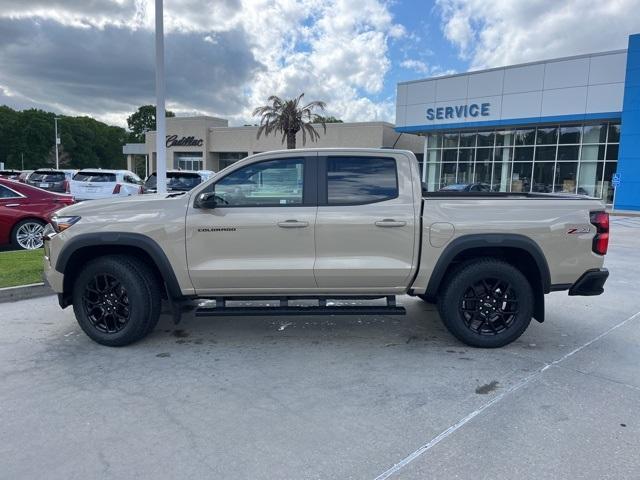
(456,298)
(139,288)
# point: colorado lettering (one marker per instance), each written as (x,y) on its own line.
(459,111)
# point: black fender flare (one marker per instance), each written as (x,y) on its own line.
(494,240)
(122,239)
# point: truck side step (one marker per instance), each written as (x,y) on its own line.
(264,311)
(222,309)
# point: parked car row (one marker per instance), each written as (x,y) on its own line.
(24,211)
(92,183)
(28,199)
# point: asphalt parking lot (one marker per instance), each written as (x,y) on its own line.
(324,397)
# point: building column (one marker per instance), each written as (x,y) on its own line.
(628,193)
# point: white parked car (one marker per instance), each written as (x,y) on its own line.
(94,183)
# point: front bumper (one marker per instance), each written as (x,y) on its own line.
(51,276)
(590,283)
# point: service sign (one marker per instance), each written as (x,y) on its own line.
(452,112)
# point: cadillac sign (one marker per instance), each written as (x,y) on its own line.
(459,111)
(172,141)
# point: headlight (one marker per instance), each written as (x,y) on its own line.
(62,223)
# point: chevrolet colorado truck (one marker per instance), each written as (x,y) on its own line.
(306,226)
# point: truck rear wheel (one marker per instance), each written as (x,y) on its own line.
(487,303)
(116,300)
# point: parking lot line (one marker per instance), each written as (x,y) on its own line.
(456,426)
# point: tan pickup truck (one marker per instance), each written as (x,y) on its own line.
(319,225)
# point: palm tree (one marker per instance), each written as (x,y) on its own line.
(288,117)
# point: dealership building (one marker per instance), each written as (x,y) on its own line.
(561,125)
(209,143)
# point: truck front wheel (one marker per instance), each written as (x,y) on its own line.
(116,300)
(487,303)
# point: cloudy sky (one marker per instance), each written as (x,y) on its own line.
(225,57)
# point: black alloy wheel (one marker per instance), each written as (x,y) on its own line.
(106,303)
(489,306)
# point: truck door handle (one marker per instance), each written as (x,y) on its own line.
(293,224)
(390,222)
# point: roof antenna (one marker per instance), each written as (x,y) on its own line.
(394,143)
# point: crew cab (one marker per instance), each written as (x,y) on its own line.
(324,224)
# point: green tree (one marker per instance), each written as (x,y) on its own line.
(85,142)
(288,117)
(330,119)
(144,120)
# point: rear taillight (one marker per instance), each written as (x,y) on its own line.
(67,188)
(140,190)
(117,188)
(601,240)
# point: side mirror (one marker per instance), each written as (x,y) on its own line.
(207,200)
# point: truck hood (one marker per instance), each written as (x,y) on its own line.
(126,206)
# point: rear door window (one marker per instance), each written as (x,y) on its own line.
(361,180)
(47,176)
(96,177)
(8,193)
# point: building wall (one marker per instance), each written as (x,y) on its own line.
(220,139)
(628,194)
(569,89)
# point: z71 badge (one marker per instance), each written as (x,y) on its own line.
(577,229)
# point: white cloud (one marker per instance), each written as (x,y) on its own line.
(415,65)
(505,32)
(333,50)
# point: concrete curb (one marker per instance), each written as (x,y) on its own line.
(24,292)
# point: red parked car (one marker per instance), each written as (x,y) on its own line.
(24,211)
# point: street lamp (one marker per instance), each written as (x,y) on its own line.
(161,146)
(55,124)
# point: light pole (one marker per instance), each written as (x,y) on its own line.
(55,124)
(161,147)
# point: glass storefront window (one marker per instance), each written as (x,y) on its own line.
(485,139)
(540,159)
(547,152)
(467,139)
(450,155)
(448,174)
(432,177)
(466,155)
(568,152)
(547,136)
(594,134)
(523,154)
(484,154)
(525,136)
(566,173)
(607,189)
(590,179)
(543,177)
(435,140)
(504,138)
(483,172)
(592,152)
(465,172)
(521,177)
(570,134)
(450,140)
(187,160)
(500,179)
